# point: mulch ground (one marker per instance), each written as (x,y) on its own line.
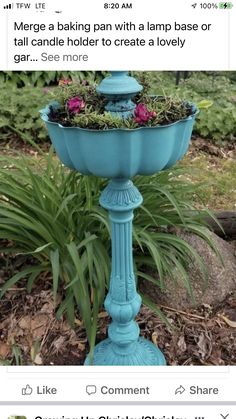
(30,334)
(223,150)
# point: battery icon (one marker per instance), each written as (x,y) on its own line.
(226,5)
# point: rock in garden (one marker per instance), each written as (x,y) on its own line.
(221,279)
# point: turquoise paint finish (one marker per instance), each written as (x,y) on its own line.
(119,89)
(120,154)
(119,85)
(123,346)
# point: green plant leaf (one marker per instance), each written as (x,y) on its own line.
(55,262)
(147,301)
(15,278)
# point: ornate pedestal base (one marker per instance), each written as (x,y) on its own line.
(124,346)
(143,353)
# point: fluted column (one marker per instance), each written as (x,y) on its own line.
(124,346)
(122,302)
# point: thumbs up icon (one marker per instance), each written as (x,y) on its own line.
(27,391)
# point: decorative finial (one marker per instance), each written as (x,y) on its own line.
(119,89)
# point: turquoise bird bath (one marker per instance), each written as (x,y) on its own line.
(120,154)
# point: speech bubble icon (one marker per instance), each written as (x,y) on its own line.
(91,389)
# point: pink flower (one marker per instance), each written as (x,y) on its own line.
(64,82)
(75,104)
(142,114)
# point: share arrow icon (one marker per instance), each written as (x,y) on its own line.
(180,390)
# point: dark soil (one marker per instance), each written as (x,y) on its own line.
(12,146)
(30,334)
(225,150)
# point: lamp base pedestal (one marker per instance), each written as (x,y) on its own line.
(143,353)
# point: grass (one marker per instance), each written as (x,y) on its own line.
(217,179)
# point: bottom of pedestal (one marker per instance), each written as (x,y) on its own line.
(144,353)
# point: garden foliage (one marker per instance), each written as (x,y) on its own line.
(16,417)
(19,113)
(45,78)
(52,215)
(218,122)
(19,108)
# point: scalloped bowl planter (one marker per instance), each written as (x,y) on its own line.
(121,153)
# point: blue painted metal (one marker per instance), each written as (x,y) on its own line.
(124,346)
(120,154)
(119,89)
